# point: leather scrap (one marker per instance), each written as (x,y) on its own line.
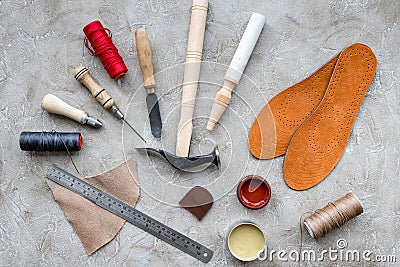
(317,146)
(198,201)
(94,225)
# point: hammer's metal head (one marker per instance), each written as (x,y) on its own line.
(189,164)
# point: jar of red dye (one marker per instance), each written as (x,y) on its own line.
(253,192)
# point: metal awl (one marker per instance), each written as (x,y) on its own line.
(82,75)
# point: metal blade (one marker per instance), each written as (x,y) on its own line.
(188,164)
(154,115)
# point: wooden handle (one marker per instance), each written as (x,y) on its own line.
(245,48)
(191,75)
(196,31)
(236,68)
(55,105)
(221,102)
(144,55)
(82,75)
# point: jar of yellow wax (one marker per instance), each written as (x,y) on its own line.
(246,241)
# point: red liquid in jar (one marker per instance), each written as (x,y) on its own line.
(254,193)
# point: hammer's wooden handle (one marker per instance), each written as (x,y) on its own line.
(196,31)
(82,75)
(191,75)
(144,55)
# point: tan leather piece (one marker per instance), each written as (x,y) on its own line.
(319,143)
(276,123)
(96,226)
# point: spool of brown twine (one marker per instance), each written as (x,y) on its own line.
(333,215)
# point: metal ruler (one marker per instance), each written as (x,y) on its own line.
(129,214)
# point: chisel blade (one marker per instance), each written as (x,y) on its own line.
(154,115)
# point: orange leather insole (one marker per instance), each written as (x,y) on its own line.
(317,146)
(276,123)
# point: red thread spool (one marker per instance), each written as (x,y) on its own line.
(254,192)
(100,39)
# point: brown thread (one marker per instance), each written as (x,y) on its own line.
(333,215)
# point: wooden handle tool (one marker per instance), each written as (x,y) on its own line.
(146,65)
(144,56)
(191,75)
(83,76)
(53,104)
(236,68)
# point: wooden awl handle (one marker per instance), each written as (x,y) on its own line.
(144,55)
(82,75)
(53,104)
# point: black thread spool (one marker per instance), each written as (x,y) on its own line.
(50,141)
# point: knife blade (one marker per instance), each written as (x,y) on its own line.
(146,65)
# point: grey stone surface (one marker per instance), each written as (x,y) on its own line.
(42,41)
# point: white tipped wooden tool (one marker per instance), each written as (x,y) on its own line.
(236,68)
(191,75)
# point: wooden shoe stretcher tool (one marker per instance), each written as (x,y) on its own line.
(83,76)
(54,104)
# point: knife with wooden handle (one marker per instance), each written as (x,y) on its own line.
(146,65)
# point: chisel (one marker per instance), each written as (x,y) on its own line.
(146,65)
(54,104)
(83,76)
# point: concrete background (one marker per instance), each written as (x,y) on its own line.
(42,41)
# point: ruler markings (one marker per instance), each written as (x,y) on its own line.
(129,214)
